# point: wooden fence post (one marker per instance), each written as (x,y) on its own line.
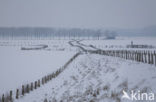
(123,53)
(42,81)
(53,73)
(31,87)
(38,83)
(139,56)
(10,95)
(35,84)
(27,88)
(47,78)
(149,58)
(126,54)
(132,55)
(145,54)
(152,58)
(17,93)
(3,99)
(23,90)
(142,58)
(135,56)
(50,77)
(155,57)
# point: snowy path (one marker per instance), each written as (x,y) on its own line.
(82,47)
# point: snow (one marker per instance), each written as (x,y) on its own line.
(121,42)
(89,78)
(20,67)
(95,77)
(56,45)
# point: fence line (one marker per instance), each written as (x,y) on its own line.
(34,85)
(144,56)
(148,57)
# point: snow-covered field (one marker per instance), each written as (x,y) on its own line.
(122,42)
(89,78)
(20,67)
(53,45)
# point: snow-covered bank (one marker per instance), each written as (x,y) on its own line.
(96,78)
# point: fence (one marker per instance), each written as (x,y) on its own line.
(9,97)
(148,57)
(143,56)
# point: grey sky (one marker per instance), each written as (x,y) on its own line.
(78,13)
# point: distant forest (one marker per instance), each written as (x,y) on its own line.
(39,33)
(71,33)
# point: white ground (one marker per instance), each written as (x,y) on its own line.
(22,67)
(90,78)
(121,42)
(53,45)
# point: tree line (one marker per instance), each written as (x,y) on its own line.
(43,32)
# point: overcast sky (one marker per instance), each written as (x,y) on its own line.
(78,13)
